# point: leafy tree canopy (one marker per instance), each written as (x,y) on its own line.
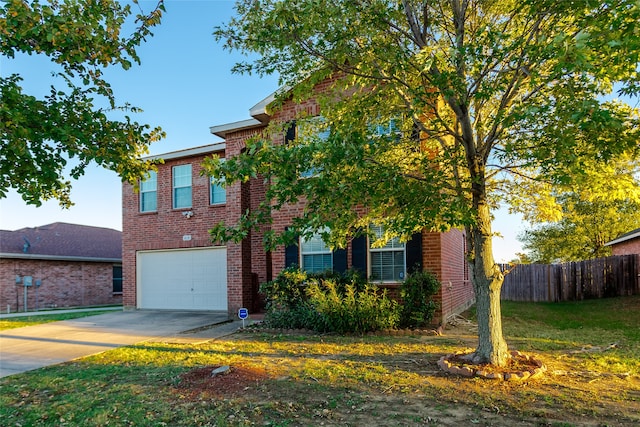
(574,224)
(38,136)
(482,94)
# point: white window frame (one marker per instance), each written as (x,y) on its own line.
(149,187)
(314,247)
(393,246)
(176,188)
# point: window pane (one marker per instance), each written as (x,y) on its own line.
(117,279)
(182,186)
(151,183)
(218,191)
(182,197)
(218,194)
(387,262)
(316,255)
(314,244)
(148,193)
(182,176)
(317,263)
(148,202)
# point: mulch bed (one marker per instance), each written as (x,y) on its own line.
(200,382)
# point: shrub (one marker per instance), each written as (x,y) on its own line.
(298,317)
(287,290)
(351,311)
(418,305)
(328,302)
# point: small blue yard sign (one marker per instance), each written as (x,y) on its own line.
(243,313)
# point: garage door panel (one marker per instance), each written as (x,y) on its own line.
(193,279)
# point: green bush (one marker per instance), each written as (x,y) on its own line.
(328,302)
(299,317)
(350,277)
(417,293)
(287,290)
(351,311)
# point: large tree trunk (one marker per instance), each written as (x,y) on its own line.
(487,281)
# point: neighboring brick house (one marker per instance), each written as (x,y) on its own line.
(627,244)
(60,265)
(170,263)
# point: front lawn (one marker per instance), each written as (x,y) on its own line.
(591,349)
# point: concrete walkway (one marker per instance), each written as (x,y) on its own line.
(33,347)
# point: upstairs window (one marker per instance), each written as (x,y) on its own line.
(315,256)
(149,193)
(386,129)
(217,191)
(182,186)
(387,264)
(306,132)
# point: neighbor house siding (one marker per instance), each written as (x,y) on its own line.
(628,247)
(63,284)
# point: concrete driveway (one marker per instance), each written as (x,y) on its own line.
(33,347)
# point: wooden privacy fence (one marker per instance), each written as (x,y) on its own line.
(572,281)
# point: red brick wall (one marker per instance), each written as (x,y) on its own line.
(629,247)
(457,291)
(443,255)
(64,284)
(165,228)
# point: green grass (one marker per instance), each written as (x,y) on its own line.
(584,330)
(21,321)
(371,380)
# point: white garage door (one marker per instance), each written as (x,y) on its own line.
(186,279)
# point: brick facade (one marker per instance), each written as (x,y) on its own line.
(248,264)
(63,284)
(628,247)
(166,228)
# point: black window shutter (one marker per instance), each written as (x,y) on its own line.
(414,253)
(291,132)
(359,254)
(292,254)
(340,260)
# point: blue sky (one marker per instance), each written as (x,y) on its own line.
(184,85)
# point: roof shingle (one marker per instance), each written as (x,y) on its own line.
(63,240)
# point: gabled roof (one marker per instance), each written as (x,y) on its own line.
(62,241)
(627,236)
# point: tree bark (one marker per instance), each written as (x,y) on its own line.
(487,282)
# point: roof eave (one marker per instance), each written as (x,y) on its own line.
(189,152)
(223,130)
(8,255)
(623,239)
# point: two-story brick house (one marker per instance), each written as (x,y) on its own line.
(170,263)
